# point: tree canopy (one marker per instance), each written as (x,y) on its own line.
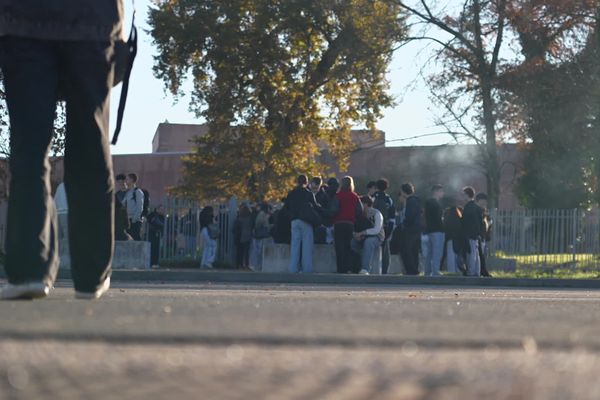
(277,82)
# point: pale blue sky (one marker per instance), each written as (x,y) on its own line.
(148,104)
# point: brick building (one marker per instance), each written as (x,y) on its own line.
(452,165)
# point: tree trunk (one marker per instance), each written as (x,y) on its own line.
(491,159)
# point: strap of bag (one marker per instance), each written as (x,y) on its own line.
(132,46)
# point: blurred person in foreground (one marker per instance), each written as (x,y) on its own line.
(51,50)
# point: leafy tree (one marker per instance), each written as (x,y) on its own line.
(558,84)
(469,47)
(57,147)
(277,82)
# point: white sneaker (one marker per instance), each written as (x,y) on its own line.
(94,295)
(29,290)
(363,272)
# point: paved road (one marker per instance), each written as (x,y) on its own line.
(302,342)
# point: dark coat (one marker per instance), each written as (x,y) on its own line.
(433,216)
(297,200)
(93,20)
(412,216)
(472,220)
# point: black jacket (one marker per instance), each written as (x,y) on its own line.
(472,220)
(433,216)
(92,20)
(412,216)
(297,199)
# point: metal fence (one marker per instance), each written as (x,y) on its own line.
(181,239)
(547,237)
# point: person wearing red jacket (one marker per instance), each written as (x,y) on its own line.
(343,226)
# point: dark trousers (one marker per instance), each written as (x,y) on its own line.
(385,256)
(33,70)
(409,251)
(346,259)
(243,254)
(154,237)
(135,229)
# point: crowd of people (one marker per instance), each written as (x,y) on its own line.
(367,230)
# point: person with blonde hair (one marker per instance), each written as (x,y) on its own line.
(350,208)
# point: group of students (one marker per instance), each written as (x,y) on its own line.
(367,230)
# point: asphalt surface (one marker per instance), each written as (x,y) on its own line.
(264,341)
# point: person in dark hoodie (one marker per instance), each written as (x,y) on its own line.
(485,235)
(411,229)
(455,240)
(472,220)
(304,214)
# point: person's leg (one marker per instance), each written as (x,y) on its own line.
(247,254)
(296,246)
(473,266)
(308,247)
(385,256)
(30,69)
(451,258)
(436,242)
(358,248)
(428,270)
(369,246)
(88,73)
(339,248)
(482,259)
(412,254)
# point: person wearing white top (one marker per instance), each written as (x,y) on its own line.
(368,242)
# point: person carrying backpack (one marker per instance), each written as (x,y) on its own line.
(134,203)
(385,205)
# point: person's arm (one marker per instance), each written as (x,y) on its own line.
(377,226)
(139,203)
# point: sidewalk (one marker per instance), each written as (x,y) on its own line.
(228,276)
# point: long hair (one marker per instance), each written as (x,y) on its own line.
(347,184)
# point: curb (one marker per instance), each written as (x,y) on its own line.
(169,275)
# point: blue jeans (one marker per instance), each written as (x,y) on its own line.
(367,249)
(302,244)
(435,252)
(473,262)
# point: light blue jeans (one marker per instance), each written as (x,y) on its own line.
(473,261)
(435,252)
(302,244)
(370,254)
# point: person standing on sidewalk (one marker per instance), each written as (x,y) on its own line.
(134,204)
(472,219)
(367,242)
(303,209)
(384,203)
(434,229)
(47,48)
(411,229)
(350,208)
